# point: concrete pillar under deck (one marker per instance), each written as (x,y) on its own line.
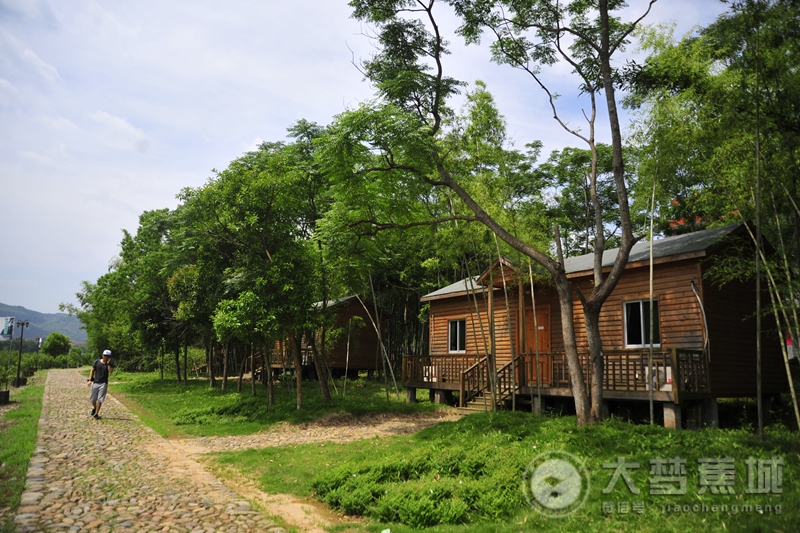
(766,408)
(411,395)
(442,397)
(537,406)
(606,412)
(711,413)
(693,415)
(672,415)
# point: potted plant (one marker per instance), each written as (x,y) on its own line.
(5,375)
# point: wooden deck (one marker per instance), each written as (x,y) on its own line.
(678,374)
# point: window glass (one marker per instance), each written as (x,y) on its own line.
(637,323)
(458,335)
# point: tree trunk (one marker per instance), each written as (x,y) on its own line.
(210,352)
(185,360)
(161,358)
(252,369)
(242,366)
(298,367)
(225,351)
(268,376)
(319,364)
(591,317)
(178,362)
(582,406)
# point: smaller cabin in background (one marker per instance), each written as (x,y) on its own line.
(355,347)
(703,337)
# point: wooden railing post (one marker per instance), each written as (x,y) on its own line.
(677,378)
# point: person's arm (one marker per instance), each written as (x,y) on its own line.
(91,373)
(110,368)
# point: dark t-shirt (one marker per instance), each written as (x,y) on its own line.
(101,371)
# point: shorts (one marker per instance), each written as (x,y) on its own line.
(98,392)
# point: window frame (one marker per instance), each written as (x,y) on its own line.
(460,324)
(656,323)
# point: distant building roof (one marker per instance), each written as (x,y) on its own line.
(333,303)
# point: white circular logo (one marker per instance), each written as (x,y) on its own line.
(556,484)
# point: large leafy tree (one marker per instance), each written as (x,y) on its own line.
(399,145)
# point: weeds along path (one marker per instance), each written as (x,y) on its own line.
(117,474)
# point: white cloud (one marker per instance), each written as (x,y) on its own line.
(119,124)
(254,145)
(45,69)
(33,156)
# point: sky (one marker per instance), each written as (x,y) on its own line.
(110,108)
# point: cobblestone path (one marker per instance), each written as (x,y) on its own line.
(117,474)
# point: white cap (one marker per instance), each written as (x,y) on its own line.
(106,352)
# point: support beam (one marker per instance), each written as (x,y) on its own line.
(711,413)
(411,395)
(672,415)
(442,396)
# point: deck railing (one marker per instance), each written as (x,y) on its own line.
(677,371)
(436,368)
(474,380)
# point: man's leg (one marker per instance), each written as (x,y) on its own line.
(101,396)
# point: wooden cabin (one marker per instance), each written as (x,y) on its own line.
(356,348)
(704,336)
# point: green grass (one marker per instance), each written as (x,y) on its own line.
(17,443)
(467,476)
(193,408)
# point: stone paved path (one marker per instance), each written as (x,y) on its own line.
(117,474)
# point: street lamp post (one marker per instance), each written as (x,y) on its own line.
(22,325)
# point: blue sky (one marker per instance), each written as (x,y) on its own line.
(110,108)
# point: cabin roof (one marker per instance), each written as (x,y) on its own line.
(678,245)
(687,243)
(459,288)
(333,303)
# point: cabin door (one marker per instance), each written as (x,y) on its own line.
(543,323)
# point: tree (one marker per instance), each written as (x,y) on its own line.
(401,141)
(56,344)
(721,111)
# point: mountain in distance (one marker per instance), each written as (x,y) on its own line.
(43,324)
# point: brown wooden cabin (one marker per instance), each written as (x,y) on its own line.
(705,336)
(364,349)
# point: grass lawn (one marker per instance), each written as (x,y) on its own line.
(18,428)
(193,408)
(467,476)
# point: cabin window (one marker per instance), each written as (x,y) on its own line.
(458,336)
(637,324)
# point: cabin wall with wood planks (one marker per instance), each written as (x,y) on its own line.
(732,341)
(680,316)
(364,346)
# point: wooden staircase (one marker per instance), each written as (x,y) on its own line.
(475,387)
(479,404)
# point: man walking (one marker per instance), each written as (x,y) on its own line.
(98,380)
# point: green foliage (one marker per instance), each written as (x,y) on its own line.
(56,344)
(193,408)
(18,429)
(466,475)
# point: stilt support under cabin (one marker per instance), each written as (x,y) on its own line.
(411,395)
(442,397)
(766,409)
(672,415)
(537,406)
(711,413)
